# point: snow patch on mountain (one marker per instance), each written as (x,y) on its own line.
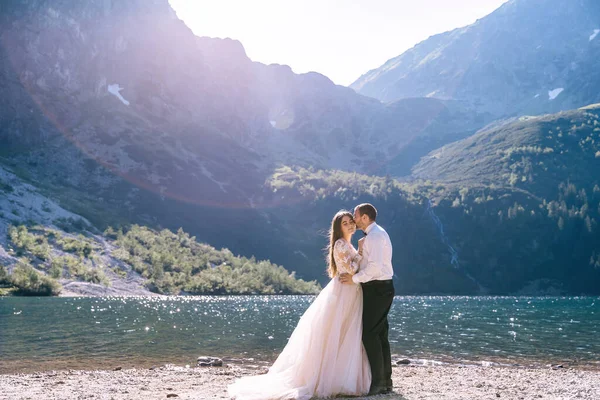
(552,94)
(114,89)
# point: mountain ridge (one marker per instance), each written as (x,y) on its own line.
(511,62)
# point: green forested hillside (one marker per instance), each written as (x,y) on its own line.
(477,233)
(536,154)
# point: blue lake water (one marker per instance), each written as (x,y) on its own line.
(90,333)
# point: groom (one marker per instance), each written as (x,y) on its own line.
(375,276)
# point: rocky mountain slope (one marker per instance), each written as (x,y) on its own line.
(135,92)
(46,250)
(22,204)
(527,57)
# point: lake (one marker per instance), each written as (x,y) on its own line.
(91,333)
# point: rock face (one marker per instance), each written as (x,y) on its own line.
(126,86)
(527,57)
(136,93)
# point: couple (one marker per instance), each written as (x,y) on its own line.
(340,345)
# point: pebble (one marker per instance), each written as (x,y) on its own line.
(207,361)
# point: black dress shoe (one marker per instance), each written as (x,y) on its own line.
(379,390)
(389,385)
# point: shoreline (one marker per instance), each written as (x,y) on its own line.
(18,366)
(410,382)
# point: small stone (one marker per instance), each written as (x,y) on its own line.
(172,395)
(205,361)
(118,369)
(497,394)
(404,361)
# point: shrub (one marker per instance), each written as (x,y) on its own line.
(172,262)
(70,224)
(25,241)
(56,269)
(30,282)
(79,246)
(4,278)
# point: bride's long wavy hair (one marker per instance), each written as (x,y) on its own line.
(335,233)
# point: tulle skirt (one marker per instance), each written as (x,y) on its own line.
(323,357)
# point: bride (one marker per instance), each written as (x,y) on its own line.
(324,356)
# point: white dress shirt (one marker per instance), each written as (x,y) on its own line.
(376,263)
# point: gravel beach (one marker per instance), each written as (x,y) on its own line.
(410,382)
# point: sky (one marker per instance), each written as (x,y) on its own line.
(341,39)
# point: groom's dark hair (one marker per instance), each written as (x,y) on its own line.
(368,209)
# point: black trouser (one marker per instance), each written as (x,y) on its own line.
(377,301)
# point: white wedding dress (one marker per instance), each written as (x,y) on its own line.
(324,355)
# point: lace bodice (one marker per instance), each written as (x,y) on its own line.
(346,257)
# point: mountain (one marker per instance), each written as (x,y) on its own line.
(121,114)
(528,57)
(118,114)
(200,120)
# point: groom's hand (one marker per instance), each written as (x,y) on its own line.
(346,278)
(361,244)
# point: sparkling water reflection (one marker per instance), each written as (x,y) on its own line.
(55,333)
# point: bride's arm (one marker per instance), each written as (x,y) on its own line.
(346,259)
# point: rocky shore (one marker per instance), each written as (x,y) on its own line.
(410,382)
